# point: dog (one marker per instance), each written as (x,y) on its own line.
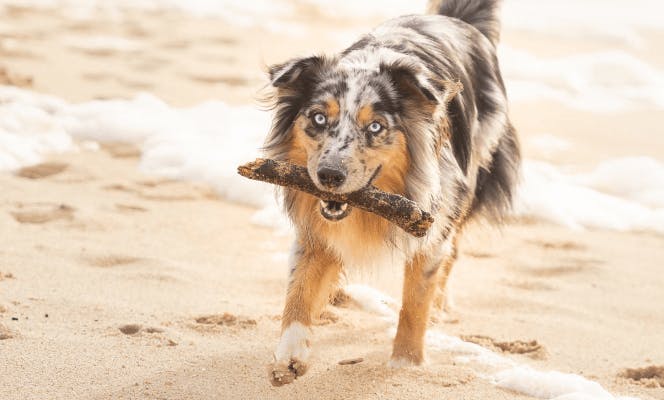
(417,107)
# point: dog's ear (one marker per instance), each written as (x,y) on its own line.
(294,71)
(411,82)
(458,116)
(430,93)
(452,89)
(294,82)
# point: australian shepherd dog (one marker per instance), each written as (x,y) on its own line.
(416,107)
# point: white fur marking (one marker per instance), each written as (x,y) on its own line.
(293,344)
(398,363)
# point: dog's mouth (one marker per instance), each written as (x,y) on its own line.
(334,210)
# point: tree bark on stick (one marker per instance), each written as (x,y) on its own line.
(395,208)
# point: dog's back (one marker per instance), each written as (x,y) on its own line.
(458,43)
(498,174)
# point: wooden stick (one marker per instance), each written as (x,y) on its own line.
(397,209)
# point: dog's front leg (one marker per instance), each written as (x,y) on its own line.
(420,279)
(314,274)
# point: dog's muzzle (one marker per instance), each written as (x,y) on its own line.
(334,210)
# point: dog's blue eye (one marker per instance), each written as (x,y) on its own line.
(319,119)
(375,127)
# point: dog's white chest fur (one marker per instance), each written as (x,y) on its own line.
(370,254)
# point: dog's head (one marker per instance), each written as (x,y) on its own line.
(350,125)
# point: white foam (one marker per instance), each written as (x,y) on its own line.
(600,81)
(466,352)
(550,384)
(572,200)
(548,144)
(507,373)
(204,143)
(272,216)
(640,179)
(29,131)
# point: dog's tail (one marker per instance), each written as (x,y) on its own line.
(482,14)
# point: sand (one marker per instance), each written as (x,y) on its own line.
(118,285)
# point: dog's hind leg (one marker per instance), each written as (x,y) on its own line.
(314,274)
(420,281)
(442,302)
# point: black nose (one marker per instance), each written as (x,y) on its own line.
(331,177)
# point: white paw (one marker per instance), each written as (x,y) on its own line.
(404,360)
(398,363)
(290,358)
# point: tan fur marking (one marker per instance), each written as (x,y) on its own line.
(444,135)
(300,142)
(314,278)
(395,161)
(332,108)
(359,227)
(365,115)
(418,291)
